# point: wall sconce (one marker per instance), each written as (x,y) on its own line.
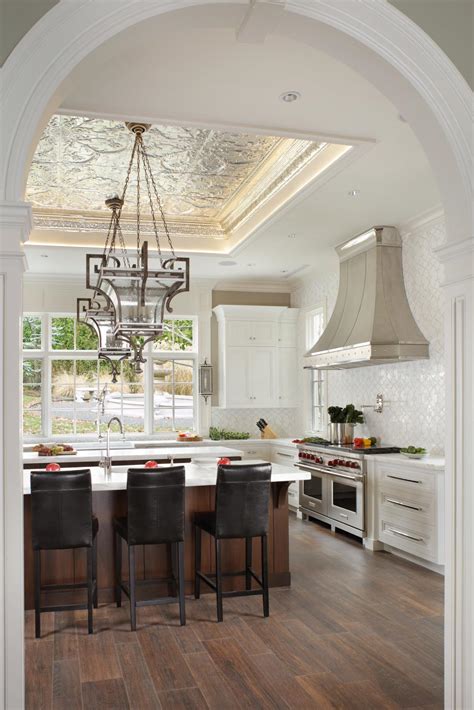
(205,380)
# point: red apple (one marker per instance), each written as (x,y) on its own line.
(53,467)
(151,464)
(224,461)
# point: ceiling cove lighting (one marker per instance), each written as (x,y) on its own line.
(130,295)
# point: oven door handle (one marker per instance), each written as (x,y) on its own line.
(311,469)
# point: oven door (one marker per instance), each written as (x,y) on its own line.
(313,492)
(346,499)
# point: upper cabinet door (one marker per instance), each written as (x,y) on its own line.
(264,333)
(249,333)
(237,378)
(262,377)
(239,333)
(287,334)
(287,378)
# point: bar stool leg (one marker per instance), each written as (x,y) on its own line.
(220,615)
(118,568)
(182,610)
(266,599)
(197,562)
(174,568)
(90,589)
(94,572)
(132,583)
(248,563)
(37,578)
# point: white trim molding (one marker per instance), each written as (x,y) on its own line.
(15,223)
(458,260)
(409,68)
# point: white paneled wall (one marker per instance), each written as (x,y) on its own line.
(414,392)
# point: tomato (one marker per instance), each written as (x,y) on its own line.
(224,461)
(151,464)
(53,467)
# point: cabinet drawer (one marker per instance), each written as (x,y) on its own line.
(405,479)
(284,458)
(256,452)
(419,540)
(406,507)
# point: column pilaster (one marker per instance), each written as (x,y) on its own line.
(458,261)
(15,226)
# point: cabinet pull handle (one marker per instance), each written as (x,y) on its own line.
(343,515)
(402,504)
(288,456)
(404,534)
(399,478)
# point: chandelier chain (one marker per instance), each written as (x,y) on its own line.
(147,161)
(153,215)
(139,150)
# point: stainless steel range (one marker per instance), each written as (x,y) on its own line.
(335,493)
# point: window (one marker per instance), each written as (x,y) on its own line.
(317,380)
(63,380)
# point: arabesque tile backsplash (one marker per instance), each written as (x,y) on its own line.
(414,393)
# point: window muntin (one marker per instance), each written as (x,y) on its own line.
(32,397)
(173,394)
(32,332)
(60,391)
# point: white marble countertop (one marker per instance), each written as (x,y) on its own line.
(197,474)
(86,455)
(428,462)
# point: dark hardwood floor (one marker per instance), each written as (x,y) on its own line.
(356,630)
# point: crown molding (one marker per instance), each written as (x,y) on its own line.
(423,220)
(254,286)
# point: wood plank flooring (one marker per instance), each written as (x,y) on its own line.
(357,630)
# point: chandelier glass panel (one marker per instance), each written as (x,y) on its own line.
(130,296)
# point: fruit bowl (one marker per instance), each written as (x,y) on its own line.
(413,456)
(413,452)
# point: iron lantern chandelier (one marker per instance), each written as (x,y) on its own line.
(99,317)
(133,293)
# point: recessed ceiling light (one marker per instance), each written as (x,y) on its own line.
(289,96)
(354,193)
(292,236)
(228,262)
(284,271)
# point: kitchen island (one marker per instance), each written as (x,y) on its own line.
(109,500)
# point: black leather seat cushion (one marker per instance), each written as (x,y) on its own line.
(242,502)
(155,499)
(61,510)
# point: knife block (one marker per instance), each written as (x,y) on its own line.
(268,433)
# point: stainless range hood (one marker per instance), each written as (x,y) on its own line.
(372,323)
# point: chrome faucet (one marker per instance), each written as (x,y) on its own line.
(101,397)
(106,461)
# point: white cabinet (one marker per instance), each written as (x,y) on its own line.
(287,333)
(250,377)
(257,356)
(287,377)
(251,333)
(409,508)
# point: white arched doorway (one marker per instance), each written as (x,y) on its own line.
(405,65)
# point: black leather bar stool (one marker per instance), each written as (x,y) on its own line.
(155,517)
(62,519)
(242,501)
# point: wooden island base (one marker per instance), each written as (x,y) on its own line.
(66,566)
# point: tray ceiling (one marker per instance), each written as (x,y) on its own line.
(211,182)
